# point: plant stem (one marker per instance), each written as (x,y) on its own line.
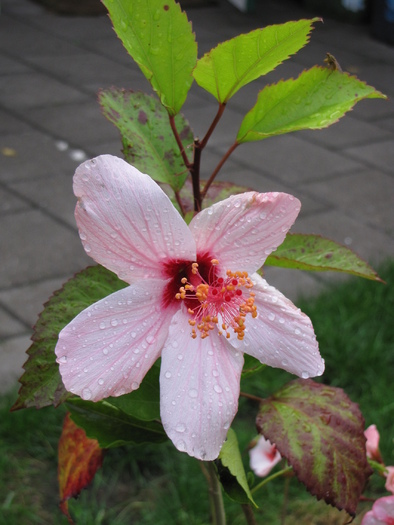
(195,171)
(251,396)
(249,515)
(270,478)
(215,494)
(179,142)
(208,134)
(218,168)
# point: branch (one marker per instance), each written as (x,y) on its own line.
(179,142)
(208,134)
(218,168)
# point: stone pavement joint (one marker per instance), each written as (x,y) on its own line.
(51,68)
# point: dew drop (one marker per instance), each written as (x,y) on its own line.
(102,325)
(304,375)
(181,445)
(193,392)
(215,373)
(180,357)
(63,360)
(218,389)
(135,385)
(133,335)
(105,351)
(271,316)
(181,427)
(114,322)
(86,394)
(101,381)
(168,374)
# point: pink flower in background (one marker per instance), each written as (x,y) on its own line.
(193,299)
(382,512)
(372,444)
(390,479)
(263,457)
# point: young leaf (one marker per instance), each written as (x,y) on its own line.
(233,64)
(143,403)
(231,471)
(79,459)
(321,434)
(158,36)
(41,382)
(315,253)
(111,426)
(148,141)
(315,100)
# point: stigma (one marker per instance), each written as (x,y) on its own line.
(219,302)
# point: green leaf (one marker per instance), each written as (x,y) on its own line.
(143,403)
(251,366)
(231,471)
(321,434)
(111,426)
(235,63)
(158,36)
(315,253)
(41,382)
(148,141)
(315,100)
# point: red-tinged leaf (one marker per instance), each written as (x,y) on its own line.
(315,253)
(79,459)
(320,432)
(41,382)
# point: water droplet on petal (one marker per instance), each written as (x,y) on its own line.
(102,325)
(101,381)
(86,394)
(135,385)
(168,374)
(218,389)
(63,360)
(193,392)
(114,322)
(304,375)
(181,427)
(181,445)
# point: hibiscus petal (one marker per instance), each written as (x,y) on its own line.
(263,457)
(243,230)
(199,388)
(126,222)
(382,512)
(108,348)
(281,335)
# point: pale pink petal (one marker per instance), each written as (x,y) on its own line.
(372,445)
(263,457)
(108,348)
(243,230)
(280,336)
(199,389)
(126,222)
(389,485)
(382,512)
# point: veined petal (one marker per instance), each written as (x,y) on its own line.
(382,512)
(243,230)
(108,348)
(281,335)
(263,457)
(126,222)
(199,389)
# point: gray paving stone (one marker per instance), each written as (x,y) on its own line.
(29,90)
(34,248)
(293,160)
(12,358)
(19,38)
(36,156)
(9,66)
(82,124)
(294,284)
(10,124)
(346,133)
(10,203)
(53,194)
(89,70)
(26,302)
(379,154)
(9,325)
(368,196)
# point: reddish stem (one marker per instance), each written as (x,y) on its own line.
(217,169)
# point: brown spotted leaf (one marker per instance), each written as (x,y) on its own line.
(320,432)
(79,458)
(148,141)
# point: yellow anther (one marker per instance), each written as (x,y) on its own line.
(214,262)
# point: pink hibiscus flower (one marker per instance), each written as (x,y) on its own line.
(382,512)
(372,445)
(263,457)
(194,299)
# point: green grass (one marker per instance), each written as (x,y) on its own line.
(156,485)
